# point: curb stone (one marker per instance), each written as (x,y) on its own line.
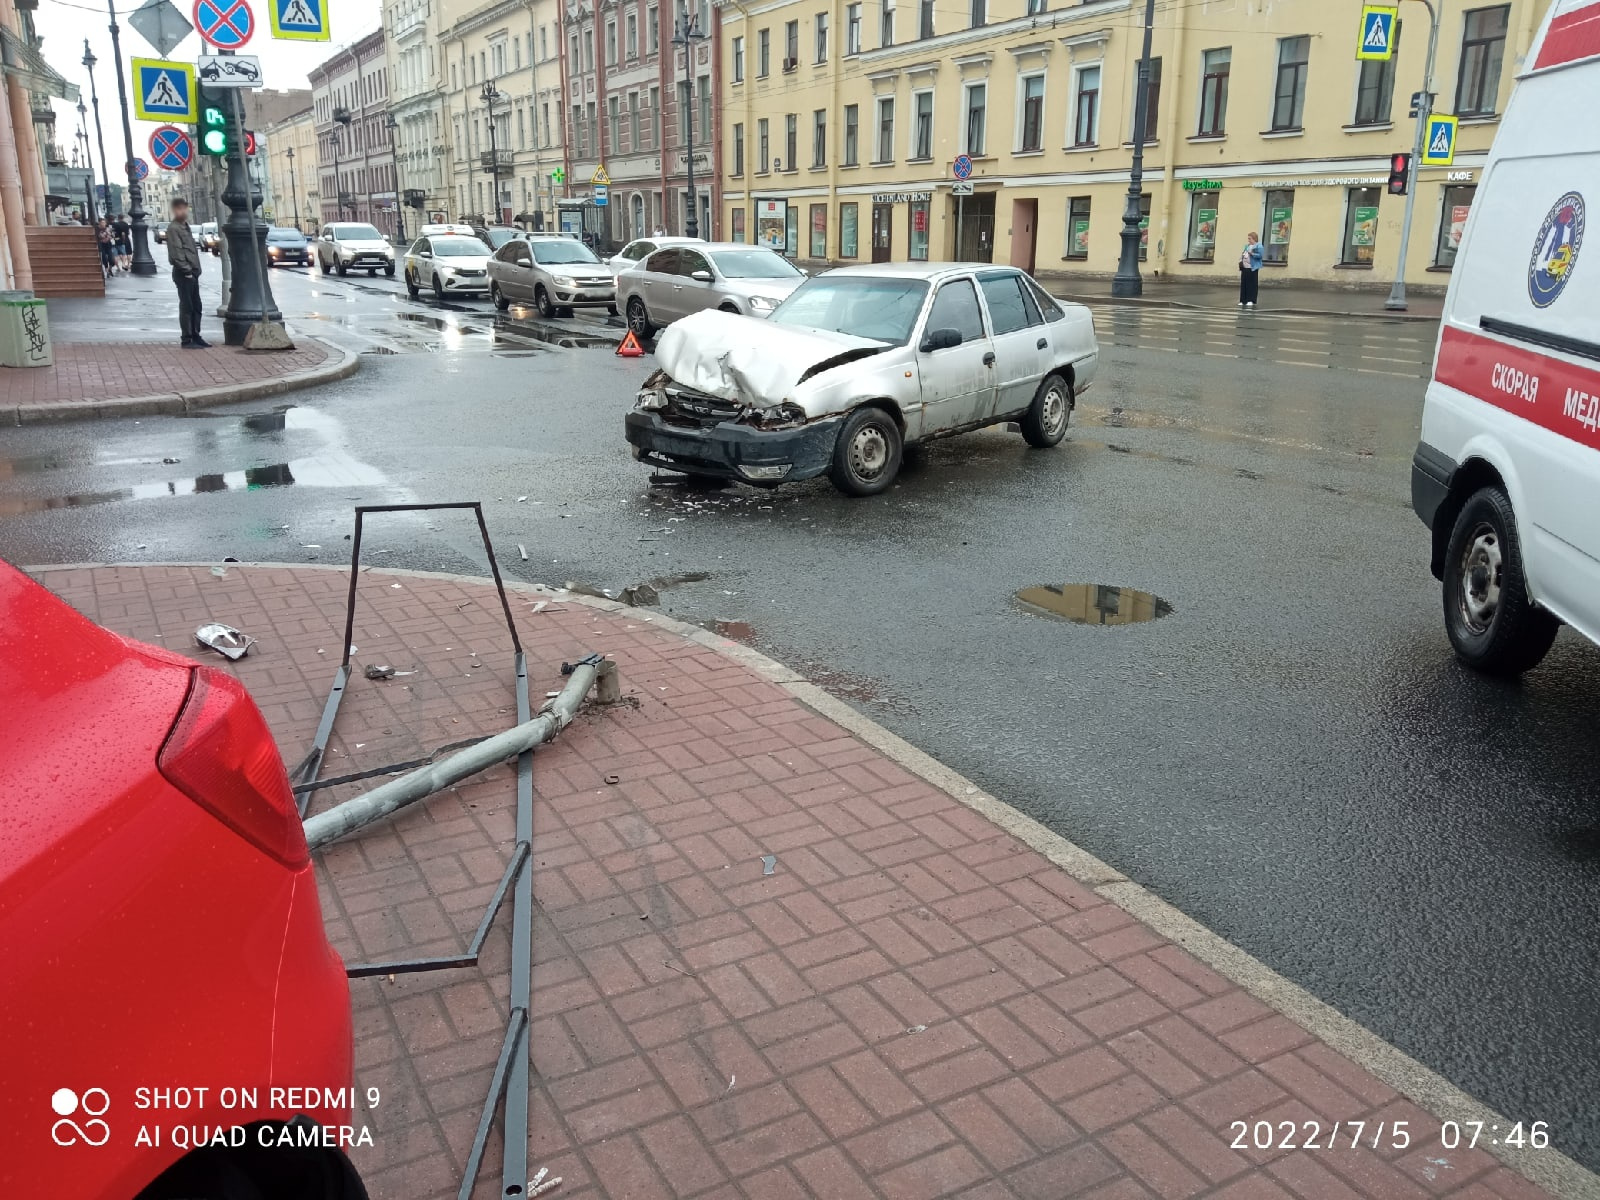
(1163,302)
(1549,1169)
(341,363)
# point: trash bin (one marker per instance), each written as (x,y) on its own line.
(24,331)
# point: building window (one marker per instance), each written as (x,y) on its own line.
(1375,87)
(922,125)
(611,43)
(1152,103)
(1086,109)
(849,230)
(705,109)
(1277,225)
(852,28)
(738,149)
(588,49)
(1483,47)
(976,116)
(572,56)
(1032,123)
(886,24)
(1078,228)
(1202,227)
(925,19)
(633,35)
(1215,66)
(977,13)
(852,134)
(738,224)
(1360,227)
(1035,7)
(791,142)
(1452,224)
(819,138)
(822,37)
(652,24)
(1289,98)
(685,110)
(614,119)
(738,60)
(791,45)
(763,148)
(885,129)
(917,249)
(819,231)
(763,53)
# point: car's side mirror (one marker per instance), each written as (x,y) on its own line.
(941,339)
(701,277)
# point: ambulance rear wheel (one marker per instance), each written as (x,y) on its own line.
(1492,621)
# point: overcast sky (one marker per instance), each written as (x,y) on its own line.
(63,25)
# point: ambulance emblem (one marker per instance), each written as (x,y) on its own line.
(1555,252)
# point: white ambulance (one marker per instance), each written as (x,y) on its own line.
(1507,474)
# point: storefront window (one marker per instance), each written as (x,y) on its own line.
(919,231)
(1278,224)
(849,219)
(819,231)
(1360,227)
(1452,224)
(1202,227)
(1078,227)
(791,231)
(1144,226)
(738,224)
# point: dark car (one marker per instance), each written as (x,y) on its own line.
(286,245)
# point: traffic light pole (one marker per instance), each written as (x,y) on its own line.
(1397,294)
(252,319)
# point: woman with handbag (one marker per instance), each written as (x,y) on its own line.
(1250,272)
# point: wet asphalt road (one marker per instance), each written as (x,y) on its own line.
(1291,756)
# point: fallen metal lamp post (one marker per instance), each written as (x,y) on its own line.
(555,716)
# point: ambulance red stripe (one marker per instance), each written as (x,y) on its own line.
(1572,36)
(1557,395)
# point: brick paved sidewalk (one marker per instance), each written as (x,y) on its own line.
(915,1004)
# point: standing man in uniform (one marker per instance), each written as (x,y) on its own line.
(184,255)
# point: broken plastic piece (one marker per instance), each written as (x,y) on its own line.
(380,671)
(225,640)
(769,863)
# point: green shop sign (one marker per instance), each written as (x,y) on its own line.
(1201,185)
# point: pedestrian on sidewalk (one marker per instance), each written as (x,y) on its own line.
(122,234)
(108,248)
(184,255)
(1250,271)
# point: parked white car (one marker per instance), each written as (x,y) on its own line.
(855,365)
(640,249)
(450,264)
(678,280)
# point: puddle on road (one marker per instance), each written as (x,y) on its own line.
(1093,604)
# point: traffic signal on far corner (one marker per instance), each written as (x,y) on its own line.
(1399,174)
(213,130)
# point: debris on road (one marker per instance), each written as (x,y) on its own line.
(769,863)
(225,640)
(380,671)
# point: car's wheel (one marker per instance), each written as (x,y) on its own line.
(731,308)
(438,289)
(1492,621)
(343,270)
(1045,422)
(412,289)
(389,270)
(639,318)
(541,299)
(866,456)
(498,297)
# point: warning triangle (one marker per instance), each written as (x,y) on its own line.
(630,347)
(1377,34)
(164,93)
(1441,142)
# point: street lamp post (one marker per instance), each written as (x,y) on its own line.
(399,179)
(88,154)
(143,264)
(294,189)
(686,32)
(490,94)
(88,61)
(1127,281)
(342,117)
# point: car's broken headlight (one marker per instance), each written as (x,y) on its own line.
(650,398)
(785,416)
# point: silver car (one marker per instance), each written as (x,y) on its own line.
(346,246)
(678,280)
(450,264)
(857,364)
(636,251)
(557,274)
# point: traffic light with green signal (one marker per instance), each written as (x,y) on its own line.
(213,130)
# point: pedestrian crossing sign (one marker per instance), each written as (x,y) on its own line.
(163,91)
(1377,33)
(299,20)
(1439,150)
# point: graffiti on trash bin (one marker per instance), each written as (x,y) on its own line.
(35,331)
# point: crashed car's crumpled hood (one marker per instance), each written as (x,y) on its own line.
(748,359)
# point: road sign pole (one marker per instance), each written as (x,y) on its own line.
(1397,294)
(143,263)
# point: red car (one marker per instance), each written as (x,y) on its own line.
(175,1023)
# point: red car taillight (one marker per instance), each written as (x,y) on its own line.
(221,755)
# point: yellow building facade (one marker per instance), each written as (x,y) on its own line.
(843,121)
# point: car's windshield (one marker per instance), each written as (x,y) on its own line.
(285,235)
(753,264)
(882,309)
(563,251)
(458,247)
(357,233)
(499,237)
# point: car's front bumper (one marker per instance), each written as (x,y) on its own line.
(732,451)
(593,296)
(469,283)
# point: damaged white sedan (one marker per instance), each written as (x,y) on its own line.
(857,364)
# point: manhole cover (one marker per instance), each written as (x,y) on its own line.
(1093,603)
